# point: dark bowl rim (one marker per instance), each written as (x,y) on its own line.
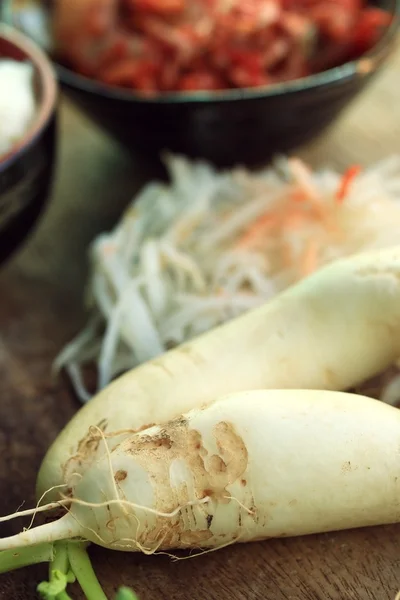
(49,83)
(362,66)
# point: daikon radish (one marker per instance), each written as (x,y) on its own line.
(249,466)
(332,330)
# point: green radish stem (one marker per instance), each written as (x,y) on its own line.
(68,560)
(71,562)
(10,560)
(125,593)
(82,568)
(59,575)
(55,589)
(61,561)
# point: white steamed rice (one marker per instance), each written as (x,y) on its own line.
(17,102)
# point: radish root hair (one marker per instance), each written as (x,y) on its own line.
(32,511)
(249,512)
(109,460)
(113,434)
(126,503)
(200,551)
(38,509)
(83,527)
(145,550)
(67,501)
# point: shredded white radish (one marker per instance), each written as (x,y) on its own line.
(209,246)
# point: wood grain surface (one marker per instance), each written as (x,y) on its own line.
(41,308)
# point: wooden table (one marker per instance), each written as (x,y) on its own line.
(41,308)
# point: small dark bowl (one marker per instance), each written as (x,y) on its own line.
(237,126)
(26,171)
(243,126)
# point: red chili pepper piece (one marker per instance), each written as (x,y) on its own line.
(369,29)
(346,182)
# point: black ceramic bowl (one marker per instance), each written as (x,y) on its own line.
(26,171)
(235,126)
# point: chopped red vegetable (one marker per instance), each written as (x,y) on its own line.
(369,29)
(167,45)
(347,181)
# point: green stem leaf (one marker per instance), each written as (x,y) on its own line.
(60,561)
(63,596)
(59,575)
(125,593)
(82,569)
(51,590)
(11,560)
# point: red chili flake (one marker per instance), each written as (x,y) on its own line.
(346,182)
(202,80)
(369,29)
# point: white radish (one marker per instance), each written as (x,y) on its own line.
(249,466)
(333,330)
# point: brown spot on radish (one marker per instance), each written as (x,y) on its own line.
(233,451)
(108,509)
(253,512)
(243,482)
(193,515)
(209,520)
(347,467)
(103,424)
(194,440)
(110,525)
(87,449)
(195,538)
(188,350)
(216,464)
(180,468)
(160,364)
(152,442)
(144,427)
(120,476)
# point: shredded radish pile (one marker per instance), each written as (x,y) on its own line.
(209,246)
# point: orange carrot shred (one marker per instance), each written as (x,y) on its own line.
(346,182)
(310,256)
(258,227)
(287,254)
(298,196)
(295,219)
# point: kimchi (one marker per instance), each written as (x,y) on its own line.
(154,46)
